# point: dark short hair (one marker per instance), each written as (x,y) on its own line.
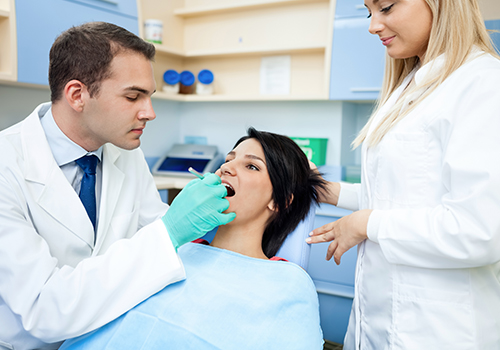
(292,179)
(85,53)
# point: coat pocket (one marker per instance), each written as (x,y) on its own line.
(426,318)
(126,225)
(402,162)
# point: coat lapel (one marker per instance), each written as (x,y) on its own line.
(112,182)
(47,183)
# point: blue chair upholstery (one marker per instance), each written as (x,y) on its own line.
(295,248)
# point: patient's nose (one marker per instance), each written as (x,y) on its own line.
(227,169)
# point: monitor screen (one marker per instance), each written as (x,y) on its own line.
(182,164)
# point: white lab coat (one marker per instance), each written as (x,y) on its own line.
(49,290)
(428,277)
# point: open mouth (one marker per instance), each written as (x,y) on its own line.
(229,189)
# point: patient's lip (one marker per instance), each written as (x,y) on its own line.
(229,188)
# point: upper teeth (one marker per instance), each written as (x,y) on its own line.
(228,186)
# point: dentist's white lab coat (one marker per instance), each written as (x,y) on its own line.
(428,276)
(49,291)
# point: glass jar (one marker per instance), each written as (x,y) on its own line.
(187,85)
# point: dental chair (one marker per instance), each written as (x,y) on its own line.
(295,248)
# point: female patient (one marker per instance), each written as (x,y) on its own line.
(237,294)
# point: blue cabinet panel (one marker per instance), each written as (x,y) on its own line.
(334,283)
(40,22)
(121,7)
(494,25)
(334,316)
(322,270)
(350,8)
(358,60)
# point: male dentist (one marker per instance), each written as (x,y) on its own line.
(84,236)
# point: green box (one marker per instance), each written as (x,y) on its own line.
(314,148)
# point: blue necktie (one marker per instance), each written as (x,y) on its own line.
(87,188)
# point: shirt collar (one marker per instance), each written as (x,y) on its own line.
(433,68)
(64,150)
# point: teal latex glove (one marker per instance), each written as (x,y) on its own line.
(197,209)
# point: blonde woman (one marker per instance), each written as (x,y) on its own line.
(427,211)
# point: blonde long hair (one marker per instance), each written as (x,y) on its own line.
(457,27)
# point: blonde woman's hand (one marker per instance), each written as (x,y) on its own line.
(344,234)
(313,166)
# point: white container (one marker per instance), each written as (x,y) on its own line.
(153,31)
(205,85)
(172,82)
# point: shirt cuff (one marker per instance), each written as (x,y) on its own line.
(349,196)
(373,228)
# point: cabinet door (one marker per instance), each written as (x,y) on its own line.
(495,36)
(327,271)
(40,22)
(350,8)
(358,60)
(121,7)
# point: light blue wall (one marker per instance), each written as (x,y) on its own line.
(225,123)
(222,122)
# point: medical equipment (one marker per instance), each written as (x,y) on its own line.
(194,172)
(203,158)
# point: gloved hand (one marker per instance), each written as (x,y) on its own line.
(197,209)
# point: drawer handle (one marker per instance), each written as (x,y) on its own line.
(365,89)
(113,2)
(360,7)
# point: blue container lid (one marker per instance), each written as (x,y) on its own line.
(187,78)
(205,77)
(171,77)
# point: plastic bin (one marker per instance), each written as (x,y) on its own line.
(314,148)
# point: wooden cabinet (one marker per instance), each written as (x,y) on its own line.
(231,37)
(8,50)
(228,37)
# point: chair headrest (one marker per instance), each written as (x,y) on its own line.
(295,248)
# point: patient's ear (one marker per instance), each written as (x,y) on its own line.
(271,206)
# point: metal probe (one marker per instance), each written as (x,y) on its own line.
(194,172)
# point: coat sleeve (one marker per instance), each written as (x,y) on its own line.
(53,302)
(463,230)
(349,196)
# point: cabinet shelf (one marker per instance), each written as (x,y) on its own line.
(247,51)
(4,13)
(224,8)
(226,98)
(232,52)
(169,50)
(230,38)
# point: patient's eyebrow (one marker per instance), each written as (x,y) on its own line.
(253,156)
(249,156)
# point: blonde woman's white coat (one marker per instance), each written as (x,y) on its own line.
(428,276)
